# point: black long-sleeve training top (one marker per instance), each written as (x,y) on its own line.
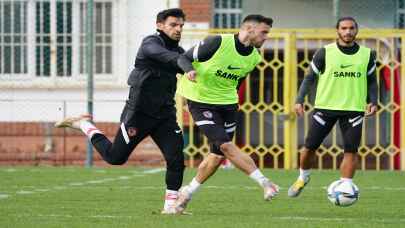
(153,80)
(318,66)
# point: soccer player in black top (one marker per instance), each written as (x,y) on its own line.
(150,107)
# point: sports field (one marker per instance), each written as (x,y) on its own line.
(133,197)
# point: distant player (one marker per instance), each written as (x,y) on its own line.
(214,69)
(149,110)
(346,75)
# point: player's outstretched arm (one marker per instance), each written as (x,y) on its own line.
(153,48)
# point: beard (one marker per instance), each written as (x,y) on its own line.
(346,39)
(258,44)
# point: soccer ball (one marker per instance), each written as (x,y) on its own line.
(343,193)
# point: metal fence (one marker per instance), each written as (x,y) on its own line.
(269,131)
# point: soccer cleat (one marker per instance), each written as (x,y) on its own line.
(296,189)
(270,190)
(183,200)
(73,122)
(169,211)
(173,211)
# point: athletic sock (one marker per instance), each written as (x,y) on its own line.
(170,198)
(346,179)
(259,177)
(193,186)
(304,174)
(89,129)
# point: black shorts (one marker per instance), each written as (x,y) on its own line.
(350,123)
(217,122)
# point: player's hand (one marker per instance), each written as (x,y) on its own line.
(371,109)
(299,109)
(192,75)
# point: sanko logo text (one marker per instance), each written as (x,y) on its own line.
(226,75)
(346,74)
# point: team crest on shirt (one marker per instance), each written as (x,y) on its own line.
(207,114)
(131,131)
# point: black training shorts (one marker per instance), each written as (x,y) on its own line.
(322,122)
(217,122)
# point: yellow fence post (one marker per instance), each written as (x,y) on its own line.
(289,94)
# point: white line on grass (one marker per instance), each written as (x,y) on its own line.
(253,187)
(339,219)
(3,196)
(42,190)
(75,184)
(59,187)
(95,182)
(323,187)
(10,170)
(297,218)
(124,177)
(152,171)
(23,192)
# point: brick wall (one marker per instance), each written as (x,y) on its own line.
(197,10)
(40,143)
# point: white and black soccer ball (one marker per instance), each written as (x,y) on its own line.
(343,193)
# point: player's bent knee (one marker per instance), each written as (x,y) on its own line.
(311,148)
(226,148)
(306,149)
(215,158)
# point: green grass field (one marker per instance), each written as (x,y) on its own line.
(133,197)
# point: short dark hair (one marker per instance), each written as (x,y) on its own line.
(259,19)
(346,19)
(174,12)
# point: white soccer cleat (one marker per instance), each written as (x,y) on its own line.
(169,211)
(270,190)
(183,199)
(173,211)
(73,122)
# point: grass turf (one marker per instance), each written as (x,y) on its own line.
(133,197)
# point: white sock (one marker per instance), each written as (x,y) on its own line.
(170,198)
(88,128)
(258,177)
(193,186)
(304,174)
(346,179)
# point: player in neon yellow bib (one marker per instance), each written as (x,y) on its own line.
(346,76)
(215,68)
(220,75)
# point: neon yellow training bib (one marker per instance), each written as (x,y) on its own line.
(343,85)
(217,78)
